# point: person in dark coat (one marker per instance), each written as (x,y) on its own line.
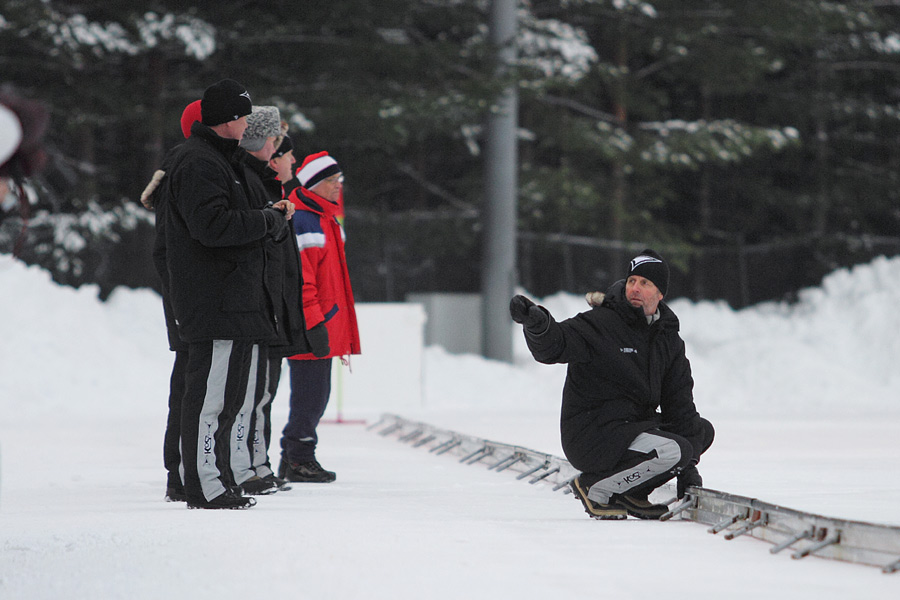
(628,418)
(215,259)
(294,340)
(264,138)
(172,436)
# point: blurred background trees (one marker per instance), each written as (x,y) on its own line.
(755,144)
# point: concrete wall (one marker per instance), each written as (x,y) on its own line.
(454,321)
(388,375)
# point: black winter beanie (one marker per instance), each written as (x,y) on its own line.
(650,264)
(224,101)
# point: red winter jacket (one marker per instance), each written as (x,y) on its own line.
(327,295)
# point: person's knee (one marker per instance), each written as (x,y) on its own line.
(672,450)
(709,434)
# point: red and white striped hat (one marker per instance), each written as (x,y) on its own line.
(315,168)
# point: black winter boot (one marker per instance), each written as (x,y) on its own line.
(595,509)
(307,472)
(638,505)
(175,494)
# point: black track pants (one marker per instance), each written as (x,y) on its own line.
(172,438)
(267,385)
(218,376)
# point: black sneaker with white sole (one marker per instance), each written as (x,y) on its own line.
(228,500)
(281,484)
(259,486)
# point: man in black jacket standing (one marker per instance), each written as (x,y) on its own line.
(216,266)
(628,417)
(264,136)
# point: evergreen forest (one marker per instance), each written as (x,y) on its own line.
(754,144)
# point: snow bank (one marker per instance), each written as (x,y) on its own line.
(835,351)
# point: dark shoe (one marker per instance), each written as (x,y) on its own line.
(257,486)
(639,506)
(595,509)
(175,494)
(307,472)
(227,500)
(281,484)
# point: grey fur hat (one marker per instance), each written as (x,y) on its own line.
(263,122)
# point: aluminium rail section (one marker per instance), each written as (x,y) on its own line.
(536,467)
(805,534)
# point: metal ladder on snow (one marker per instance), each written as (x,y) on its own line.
(735,516)
(807,534)
(536,467)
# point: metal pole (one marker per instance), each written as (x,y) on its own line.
(498,272)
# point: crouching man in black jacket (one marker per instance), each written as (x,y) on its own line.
(628,417)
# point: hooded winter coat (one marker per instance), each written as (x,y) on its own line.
(214,242)
(624,377)
(327,295)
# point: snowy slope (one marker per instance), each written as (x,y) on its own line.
(804,398)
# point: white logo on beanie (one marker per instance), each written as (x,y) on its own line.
(642,260)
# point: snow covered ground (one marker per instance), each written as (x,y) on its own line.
(805,399)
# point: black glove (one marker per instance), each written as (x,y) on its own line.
(318,340)
(690,477)
(527,313)
(276,223)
